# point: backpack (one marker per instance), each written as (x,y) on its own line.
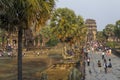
(110,65)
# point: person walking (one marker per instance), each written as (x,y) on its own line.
(105,65)
(88,61)
(109,65)
(99,66)
(103,55)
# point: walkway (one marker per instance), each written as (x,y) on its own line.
(93,73)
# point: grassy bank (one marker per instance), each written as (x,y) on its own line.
(33,65)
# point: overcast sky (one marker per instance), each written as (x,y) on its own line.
(103,11)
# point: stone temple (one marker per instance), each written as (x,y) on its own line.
(92,29)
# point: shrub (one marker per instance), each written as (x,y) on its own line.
(52,42)
(111,44)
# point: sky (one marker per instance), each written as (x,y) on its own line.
(103,11)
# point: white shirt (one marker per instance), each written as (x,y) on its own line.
(103,53)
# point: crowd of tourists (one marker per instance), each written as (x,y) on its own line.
(7,51)
(104,62)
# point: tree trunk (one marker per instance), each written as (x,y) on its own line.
(38,42)
(3,42)
(20,32)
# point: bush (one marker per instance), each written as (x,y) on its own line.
(111,44)
(52,42)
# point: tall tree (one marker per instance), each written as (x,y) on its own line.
(66,25)
(18,15)
(109,31)
(80,33)
(46,34)
(100,36)
(117,29)
(2,38)
(63,23)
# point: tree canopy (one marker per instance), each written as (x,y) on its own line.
(117,29)
(28,13)
(109,30)
(65,23)
(17,15)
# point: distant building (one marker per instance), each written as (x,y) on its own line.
(92,29)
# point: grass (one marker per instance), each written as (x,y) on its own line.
(8,67)
(32,65)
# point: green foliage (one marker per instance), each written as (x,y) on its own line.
(100,36)
(0,39)
(17,15)
(109,31)
(117,29)
(25,13)
(112,30)
(65,23)
(111,44)
(52,42)
(46,32)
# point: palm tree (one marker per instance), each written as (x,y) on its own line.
(117,30)
(80,33)
(46,34)
(63,23)
(109,31)
(18,15)
(100,36)
(66,26)
(3,38)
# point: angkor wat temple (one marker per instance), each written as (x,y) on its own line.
(92,29)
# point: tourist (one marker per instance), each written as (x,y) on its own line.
(88,61)
(92,50)
(109,65)
(103,55)
(38,53)
(105,65)
(99,65)
(109,51)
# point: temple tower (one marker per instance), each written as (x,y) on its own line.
(92,29)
